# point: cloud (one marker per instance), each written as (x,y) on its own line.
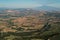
(20,4)
(57,5)
(26,5)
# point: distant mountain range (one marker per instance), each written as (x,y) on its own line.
(47,8)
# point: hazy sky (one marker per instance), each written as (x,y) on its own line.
(29,3)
